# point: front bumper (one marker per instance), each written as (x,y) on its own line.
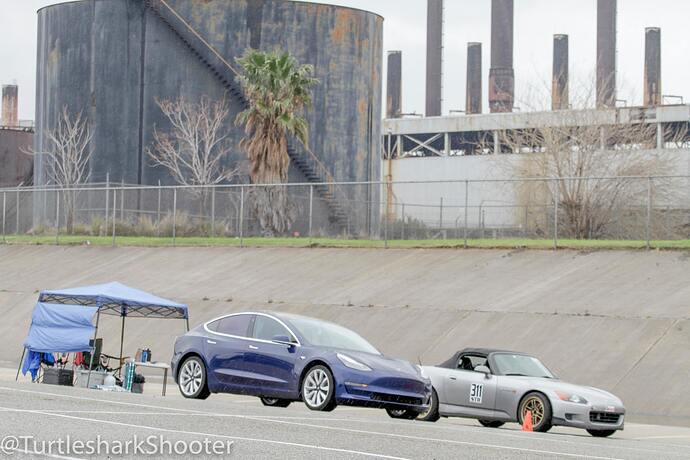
(588,416)
(402,392)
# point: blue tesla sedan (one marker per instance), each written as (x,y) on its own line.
(283,358)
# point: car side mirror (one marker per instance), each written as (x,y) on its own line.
(283,340)
(484,370)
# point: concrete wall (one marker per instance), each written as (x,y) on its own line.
(618,320)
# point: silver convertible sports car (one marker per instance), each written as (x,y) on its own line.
(496,387)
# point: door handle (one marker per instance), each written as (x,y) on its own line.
(453,378)
(252,347)
(211,342)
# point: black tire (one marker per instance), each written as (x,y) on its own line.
(432,414)
(601,433)
(491,423)
(318,389)
(275,402)
(404,414)
(544,424)
(192,380)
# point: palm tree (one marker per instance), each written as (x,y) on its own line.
(278,89)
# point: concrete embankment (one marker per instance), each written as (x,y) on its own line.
(613,319)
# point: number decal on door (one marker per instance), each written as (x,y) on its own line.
(476,393)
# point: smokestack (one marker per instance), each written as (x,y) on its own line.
(501,74)
(606,53)
(434,57)
(652,66)
(10,107)
(394,85)
(473,95)
(559,86)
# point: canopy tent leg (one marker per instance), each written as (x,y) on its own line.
(20,364)
(122,342)
(93,348)
(186,321)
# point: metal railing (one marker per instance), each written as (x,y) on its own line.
(641,209)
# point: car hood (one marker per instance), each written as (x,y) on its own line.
(382,363)
(593,395)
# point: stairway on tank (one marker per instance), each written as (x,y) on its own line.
(306,162)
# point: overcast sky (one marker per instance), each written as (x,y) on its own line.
(536,21)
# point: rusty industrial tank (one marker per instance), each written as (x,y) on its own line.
(111,59)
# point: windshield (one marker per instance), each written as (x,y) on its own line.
(322,334)
(509,364)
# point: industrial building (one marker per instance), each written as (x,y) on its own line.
(113,59)
(445,148)
(16,139)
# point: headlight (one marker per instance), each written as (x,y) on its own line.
(352,364)
(422,372)
(571,397)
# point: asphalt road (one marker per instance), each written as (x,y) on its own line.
(49,413)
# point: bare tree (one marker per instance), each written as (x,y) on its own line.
(68,157)
(581,145)
(195,149)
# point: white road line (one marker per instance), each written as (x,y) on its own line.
(42,454)
(677,436)
(210,435)
(400,436)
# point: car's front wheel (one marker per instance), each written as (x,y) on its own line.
(491,423)
(431,414)
(318,389)
(405,414)
(539,407)
(601,433)
(192,379)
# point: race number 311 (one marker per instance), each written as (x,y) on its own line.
(476,393)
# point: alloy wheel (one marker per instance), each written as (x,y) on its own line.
(316,387)
(534,405)
(191,377)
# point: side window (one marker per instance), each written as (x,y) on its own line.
(232,325)
(470,362)
(266,328)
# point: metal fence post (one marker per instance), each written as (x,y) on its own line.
(556,195)
(385,218)
(107,203)
(440,218)
(57,217)
(4,209)
(158,211)
(213,212)
(242,216)
(402,236)
(467,191)
(311,210)
(174,222)
(17,214)
(648,223)
(114,213)
(122,202)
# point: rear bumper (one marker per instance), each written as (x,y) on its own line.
(588,417)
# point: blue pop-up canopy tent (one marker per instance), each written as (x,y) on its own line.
(62,320)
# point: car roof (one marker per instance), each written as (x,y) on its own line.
(452,362)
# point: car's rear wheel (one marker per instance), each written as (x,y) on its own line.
(601,433)
(275,402)
(318,389)
(431,414)
(491,423)
(406,414)
(540,408)
(192,379)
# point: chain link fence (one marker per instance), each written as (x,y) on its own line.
(643,209)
